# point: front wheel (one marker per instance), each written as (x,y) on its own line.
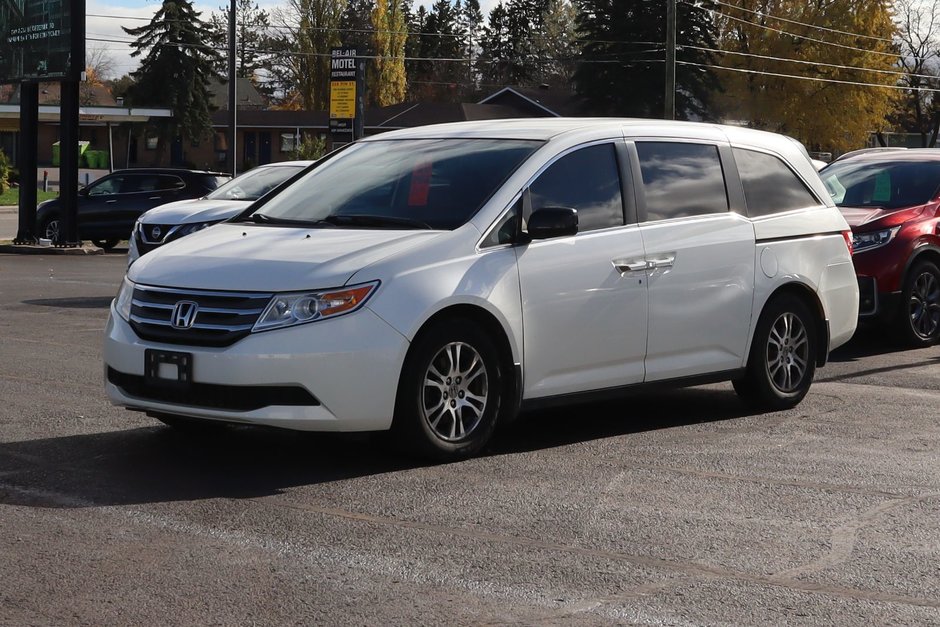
(450,392)
(782,362)
(919,322)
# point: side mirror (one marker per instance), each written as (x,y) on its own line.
(552,222)
(83,191)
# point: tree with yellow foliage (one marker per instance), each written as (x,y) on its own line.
(811,70)
(387,81)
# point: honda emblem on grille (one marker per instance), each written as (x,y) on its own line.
(155,233)
(184,314)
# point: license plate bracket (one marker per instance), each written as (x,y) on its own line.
(168,368)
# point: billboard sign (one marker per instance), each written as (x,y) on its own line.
(347,93)
(41,40)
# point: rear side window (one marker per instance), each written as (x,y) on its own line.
(770,186)
(167,181)
(587,180)
(681,180)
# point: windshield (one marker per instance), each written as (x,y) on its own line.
(887,184)
(254,184)
(410,183)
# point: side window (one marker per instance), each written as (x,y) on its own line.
(505,228)
(770,186)
(170,182)
(681,179)
(140,183)
(105,187)
(587,180)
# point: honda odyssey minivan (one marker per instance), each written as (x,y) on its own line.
(436,281)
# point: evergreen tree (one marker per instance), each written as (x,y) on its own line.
(495,52)
(621,73)
(251,34)
(175,72)
(356,25)
(438,38)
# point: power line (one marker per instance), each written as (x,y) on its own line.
(789,21)
(789,34)
(816,63)
(808,78)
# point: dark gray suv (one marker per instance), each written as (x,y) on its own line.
(109,207)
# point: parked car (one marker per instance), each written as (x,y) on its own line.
(174,220)
(109,207)
(436,281)
(891,201)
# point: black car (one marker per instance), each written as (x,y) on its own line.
(108,208)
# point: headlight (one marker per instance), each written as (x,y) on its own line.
(122,302)
(136,229)
(873,239)
(286,310)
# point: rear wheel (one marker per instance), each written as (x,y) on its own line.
(782,362)
(107,244)
(50,228)
(450,392)
(919,322)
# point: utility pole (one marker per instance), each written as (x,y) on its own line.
(232,119)
(669,112)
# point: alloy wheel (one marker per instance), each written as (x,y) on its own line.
(924,305)
(51,231)
(787,352)
(456,386)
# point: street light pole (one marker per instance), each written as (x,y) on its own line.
(232,157)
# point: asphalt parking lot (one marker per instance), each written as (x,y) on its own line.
(662,508)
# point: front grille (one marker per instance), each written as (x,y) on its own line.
(214,396)
(144,247)
(867,296)
(221,318)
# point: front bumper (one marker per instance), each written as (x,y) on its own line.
(348,367)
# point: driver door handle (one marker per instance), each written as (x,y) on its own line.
(623,266)
(664,260)
(154,198)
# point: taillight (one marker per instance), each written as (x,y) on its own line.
(847,236)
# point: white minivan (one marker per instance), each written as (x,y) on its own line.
(436,281)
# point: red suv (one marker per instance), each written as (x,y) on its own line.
(891,201)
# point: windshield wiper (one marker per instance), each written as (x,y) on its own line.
(261,218)
(362,219)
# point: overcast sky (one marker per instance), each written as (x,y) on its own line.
(106,17)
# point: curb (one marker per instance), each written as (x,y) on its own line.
(35,249)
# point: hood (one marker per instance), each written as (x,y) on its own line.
(246,257)
(863,216)
(194,211)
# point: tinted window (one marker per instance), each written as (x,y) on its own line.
(141,183)
(438,182)
(681,179)
(109,185)
(770,186)
(170,182)
(587,180)
(853,183)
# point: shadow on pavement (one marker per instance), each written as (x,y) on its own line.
(157,464)
(89,302)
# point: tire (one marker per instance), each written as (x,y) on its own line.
(107,244)
(782,361)
(50,228)
(918,320)
(450,392)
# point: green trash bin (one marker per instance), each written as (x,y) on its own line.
(104,159)
(55,154)
(93,157)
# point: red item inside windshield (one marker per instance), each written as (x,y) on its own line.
(420,185)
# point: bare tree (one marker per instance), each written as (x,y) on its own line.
(918,24)
(99,62)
